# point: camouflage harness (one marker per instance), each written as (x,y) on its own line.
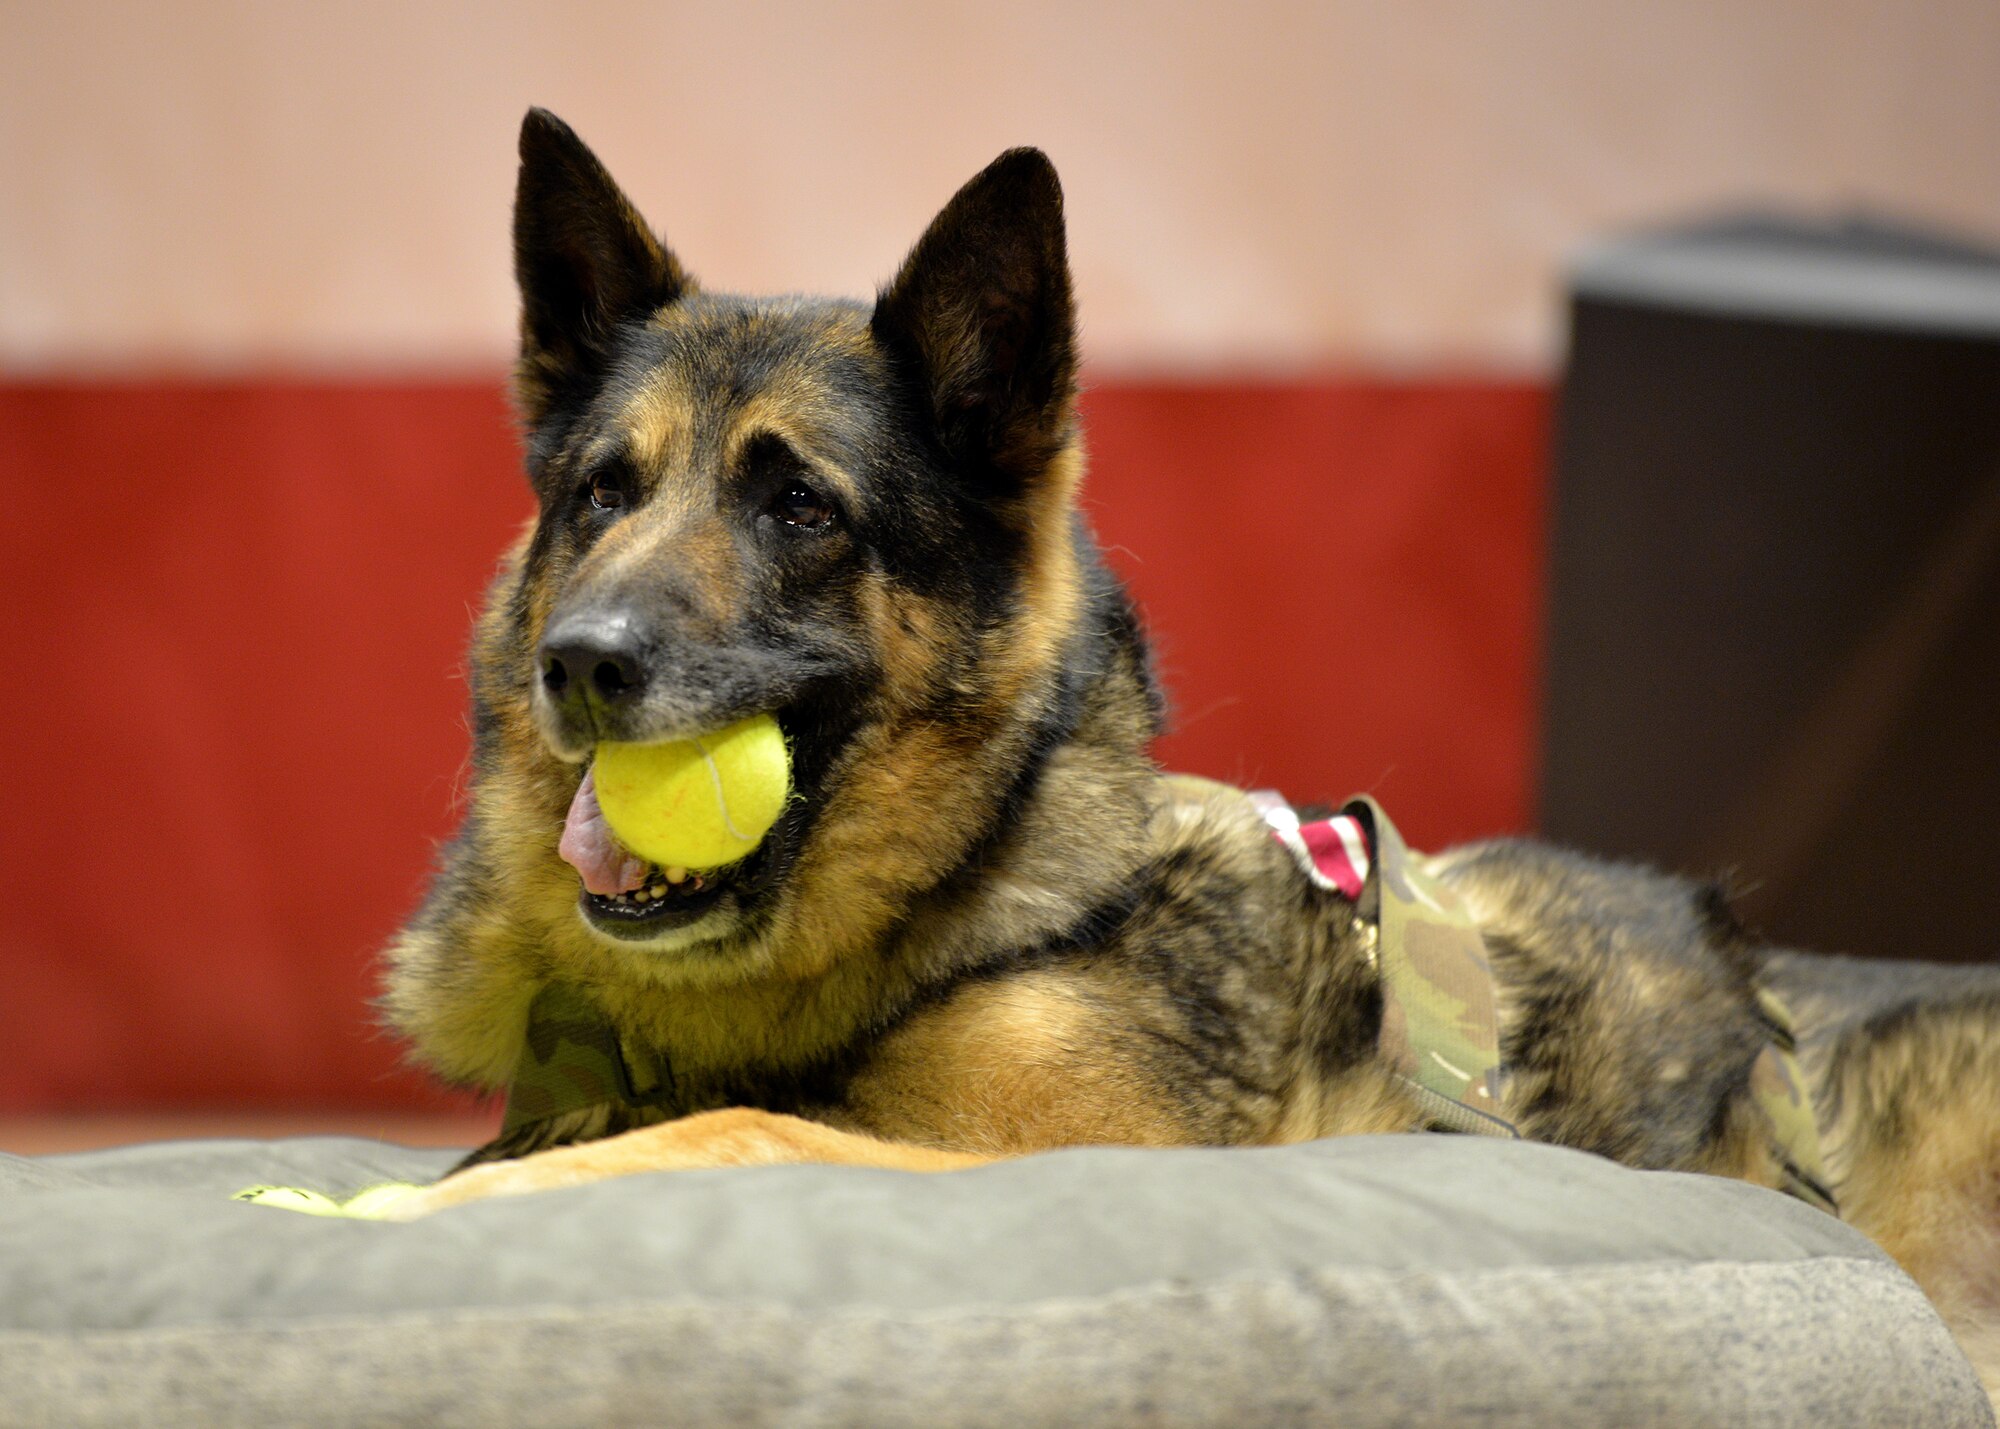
(572,1060)
(1440,1026)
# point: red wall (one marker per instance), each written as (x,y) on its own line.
(235,719)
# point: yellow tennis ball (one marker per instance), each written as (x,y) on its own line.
(367,1205)
(290,1198)
(696,803)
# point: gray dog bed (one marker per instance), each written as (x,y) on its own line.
(1369,1281)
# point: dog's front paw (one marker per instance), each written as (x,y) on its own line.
(732,1136)
(479,1183)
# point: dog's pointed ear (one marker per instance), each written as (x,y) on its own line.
(981,315)
(586,263)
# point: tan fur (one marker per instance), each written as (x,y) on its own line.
(738,1136)
(1365,1102)
(1914,1142)
(652,425)
(1027,648)
(1012,1067)
(910,635)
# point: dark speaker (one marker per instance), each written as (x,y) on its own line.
(1774,637)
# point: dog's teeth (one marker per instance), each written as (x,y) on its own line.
(674,875)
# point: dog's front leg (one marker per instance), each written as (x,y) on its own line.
(738,1136)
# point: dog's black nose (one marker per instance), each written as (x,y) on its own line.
(593,659)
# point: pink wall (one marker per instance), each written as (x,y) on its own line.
(1252,187)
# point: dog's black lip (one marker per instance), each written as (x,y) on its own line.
(674,911)
(677,910)
(746,879)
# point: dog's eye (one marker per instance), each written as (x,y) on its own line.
(608,491)
(797,504)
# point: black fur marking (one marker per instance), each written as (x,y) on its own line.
(585,261)
(979,320)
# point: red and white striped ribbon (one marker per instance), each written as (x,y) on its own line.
(1333,852)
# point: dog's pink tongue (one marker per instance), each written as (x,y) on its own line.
(588,847)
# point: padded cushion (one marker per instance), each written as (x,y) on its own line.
(1372,1280)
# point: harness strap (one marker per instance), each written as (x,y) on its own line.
(572,1060)
(1440,1026)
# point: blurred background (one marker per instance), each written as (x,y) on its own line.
(1334,262)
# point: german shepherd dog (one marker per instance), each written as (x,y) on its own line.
(986,923)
